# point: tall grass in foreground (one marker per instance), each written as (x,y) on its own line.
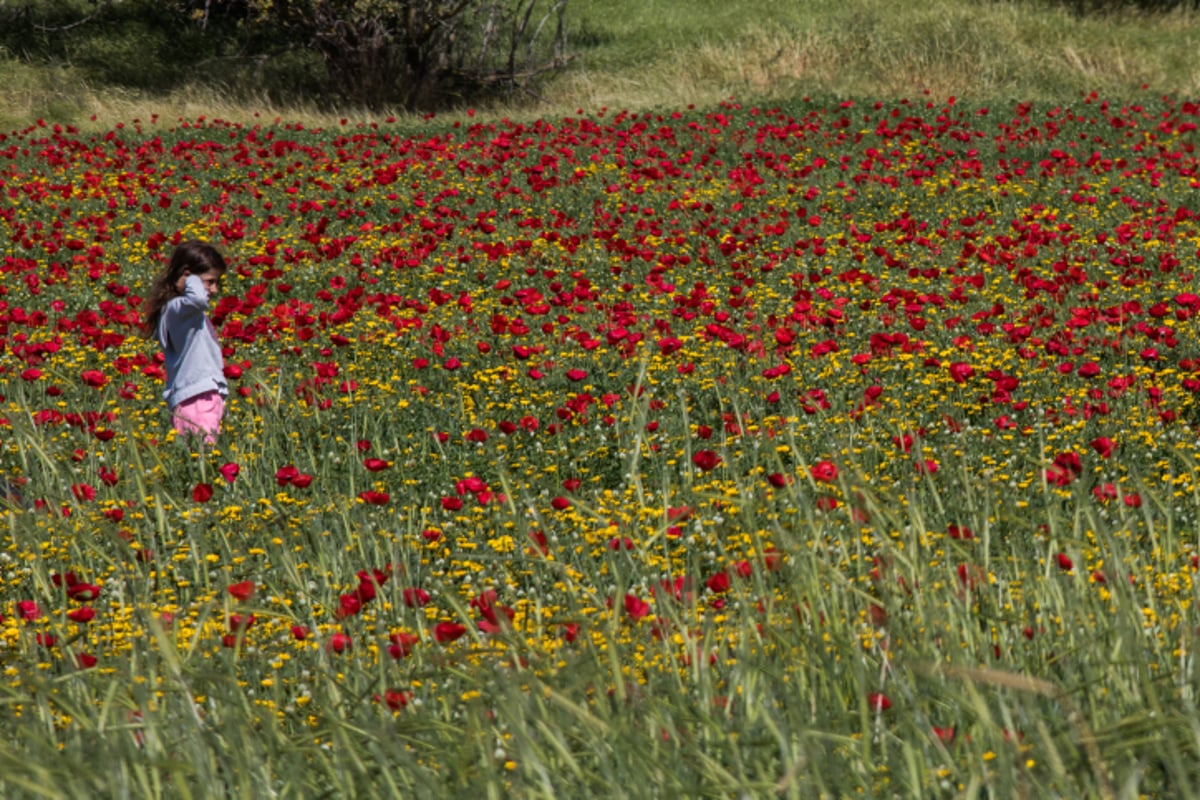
(635,55)
(821,678)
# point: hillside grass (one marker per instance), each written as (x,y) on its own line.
(635,55)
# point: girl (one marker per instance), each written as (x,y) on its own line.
(175,315)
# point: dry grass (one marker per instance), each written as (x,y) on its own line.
(860,48)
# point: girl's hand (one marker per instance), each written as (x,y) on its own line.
(179,284)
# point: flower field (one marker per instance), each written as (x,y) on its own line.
(827,450)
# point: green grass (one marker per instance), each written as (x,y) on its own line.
(637,55)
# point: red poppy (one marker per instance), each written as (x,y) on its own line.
(202,493)
(959,532)
(402,644)
(240,622)
(706,460)
(241,591)
(415,597)
(348,605)
(636,607)
(395,699)
(446,632)
(375,498)
(83,592)
(81,615)
(718,582)
(878,701)
(376,464)
(960,371)
(824,472)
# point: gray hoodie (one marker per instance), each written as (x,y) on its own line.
(189,341)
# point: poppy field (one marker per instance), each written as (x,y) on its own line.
(829,449)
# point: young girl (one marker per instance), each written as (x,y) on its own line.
(176,316)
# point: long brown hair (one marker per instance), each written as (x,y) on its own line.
(193,256)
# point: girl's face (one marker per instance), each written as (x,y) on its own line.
(210,279)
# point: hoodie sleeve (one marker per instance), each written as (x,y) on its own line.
(182,312)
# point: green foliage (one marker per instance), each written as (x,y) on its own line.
(367,53)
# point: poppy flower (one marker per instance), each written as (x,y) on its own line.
(241,622)
(241,591)
(83,592)
(395,699)
(960,372)
(348,606)
(706,460)
(959,532)
(202,493)
(415,597)
(402,644)
(824,472)
(340,642)
(229,472)
(636,607)
(446,632)
(375,498)
(718,582)
(470,485)
(878,701)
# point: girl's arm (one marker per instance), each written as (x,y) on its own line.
(183,311)
(194,297)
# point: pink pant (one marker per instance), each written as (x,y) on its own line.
(200,415)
